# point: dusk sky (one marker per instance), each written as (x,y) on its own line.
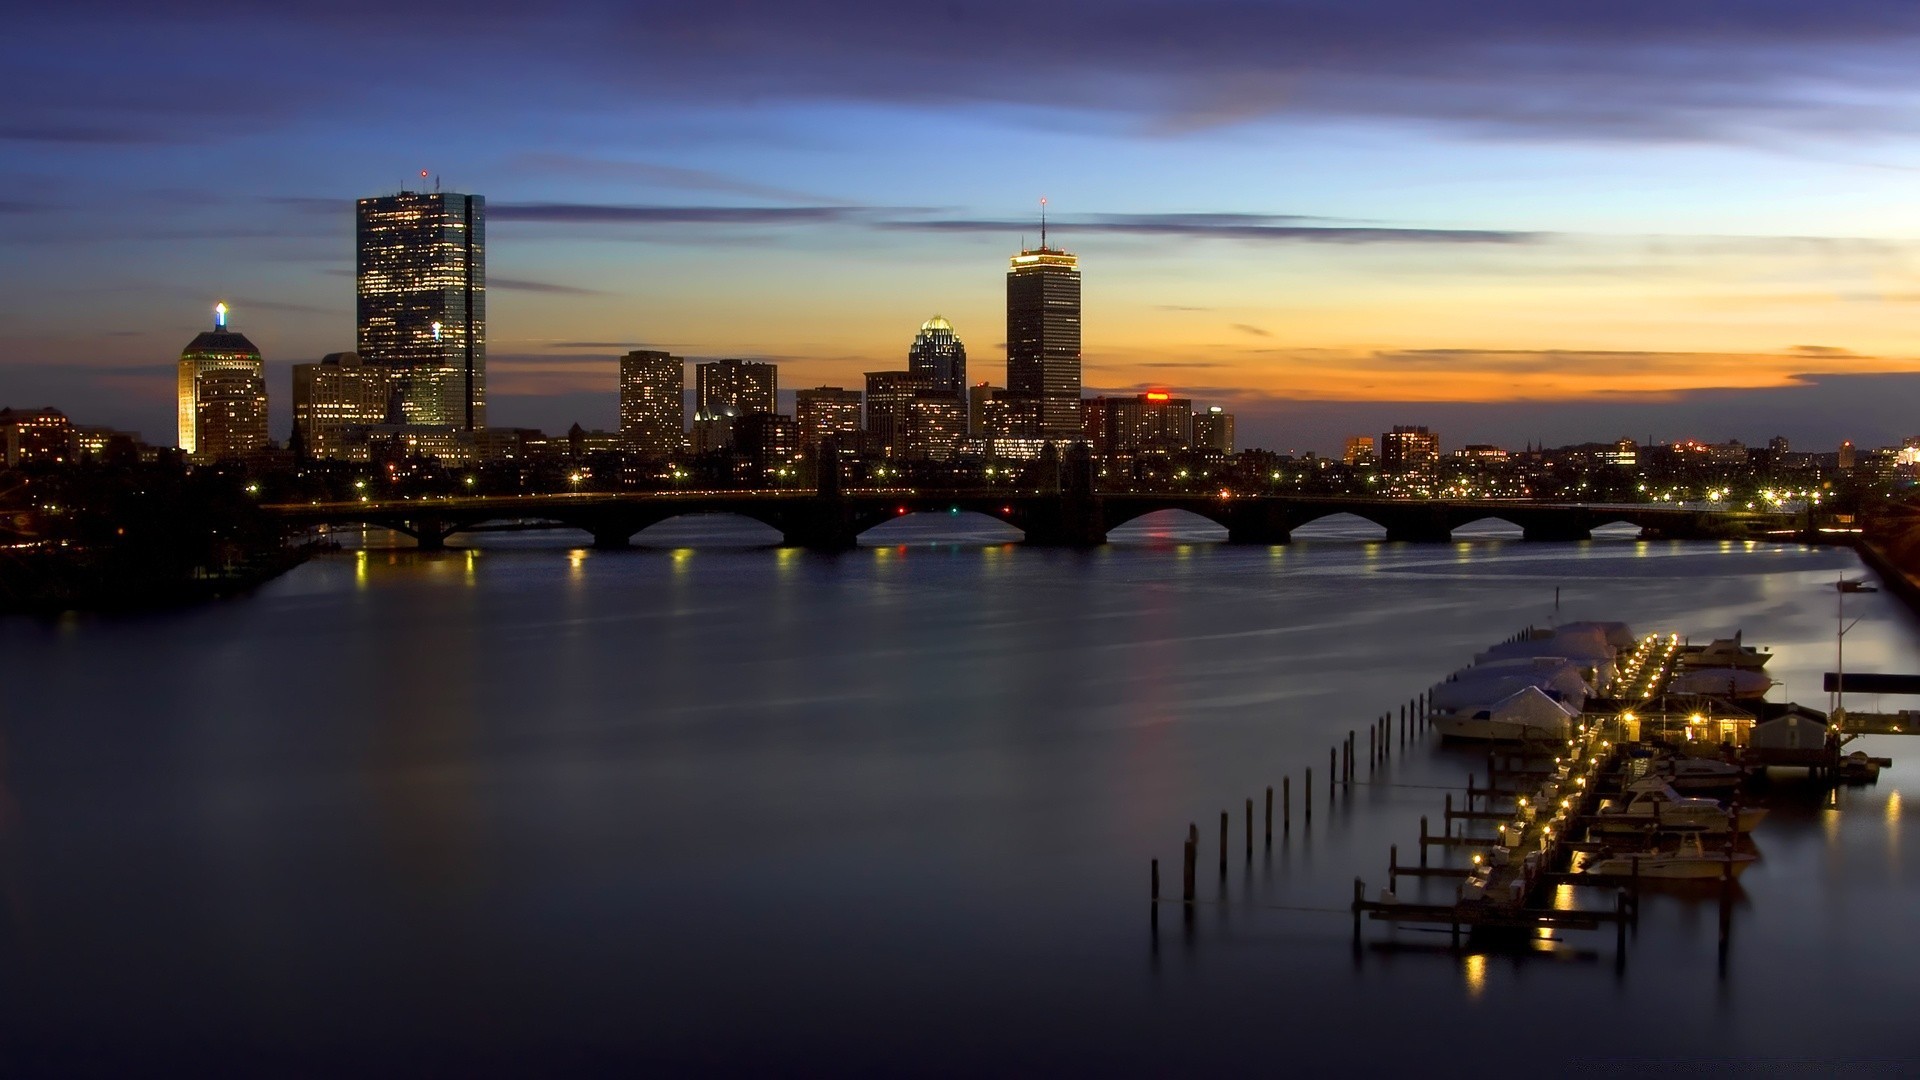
(1508,220)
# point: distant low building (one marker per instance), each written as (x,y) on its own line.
(36,437)
(335,397)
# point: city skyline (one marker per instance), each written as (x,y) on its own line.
(1720,251)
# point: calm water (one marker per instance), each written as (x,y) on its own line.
(533,808)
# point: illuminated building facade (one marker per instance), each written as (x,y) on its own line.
(939,358)
(652,403)
(222,394)
(1359,450)
(335,400)
(421,287)
(1043,341)
(36,436)
(890,396)
(827,412)
(1123,427)
(749,386)
(936,425)
(1409,450)
(1213,430)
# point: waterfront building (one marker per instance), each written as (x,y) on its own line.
(1010,422)
(1359,450)
(770,445)
(827,412)
(222,363)
(1124,427)
(749,386)
(36,436)
(1043,340)
(652,403)
(890,397)
(1213,430)
(1408,449)
(936,426)
(335,400)
(938,357)
(713,430)
(421,302)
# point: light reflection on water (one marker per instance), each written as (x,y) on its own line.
(742,806)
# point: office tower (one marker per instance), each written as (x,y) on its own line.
(938,357)
(335,400)
(936,424)
(30,436)
(652,403)
(1043,339)
(770,443)
(1847,457)
(1123,427)
(1409,449)
(1359,450)
(222,394)
(421,287)
(890,397)
(1213,430)
(748,385)
(827,412)
(977,397)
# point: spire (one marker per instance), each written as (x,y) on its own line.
(220,315)
(1043,223)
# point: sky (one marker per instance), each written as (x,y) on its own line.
(1509,220)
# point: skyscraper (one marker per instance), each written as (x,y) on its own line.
(421,287)
(827,412)
(890,396)
(1213,430)
(1043,338)
(748,385)
(222,394)
(938,357)
(334,397)
(652,403)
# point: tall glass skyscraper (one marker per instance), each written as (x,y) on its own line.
(421,283)
(938,357)
(1043,340)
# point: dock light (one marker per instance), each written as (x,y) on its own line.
(1476,860)
(1566,804)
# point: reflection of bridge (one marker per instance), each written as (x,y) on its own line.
(835,521)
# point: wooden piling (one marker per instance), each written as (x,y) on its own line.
(1393,868)
(1286,804)
(1249,830)
(1187,869)
(1423,841)
(1359,899)
(1307,802)
(1156,894)
(1223,843)
(1333,768)
(1269,815)
(1373,750)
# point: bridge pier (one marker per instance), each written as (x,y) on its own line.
(1065,522)
(822,524)
(429,534)
(613,538)
(1567,532)
(1258,522)
(1419,532)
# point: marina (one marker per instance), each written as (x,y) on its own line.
(1615,764)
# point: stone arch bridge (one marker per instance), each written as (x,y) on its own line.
(835,521)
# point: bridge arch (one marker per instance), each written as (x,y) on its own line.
(1334,522)
(706,528)
(952,524)
(1154,523)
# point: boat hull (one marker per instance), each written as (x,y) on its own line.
(1673,867)
(1454,727)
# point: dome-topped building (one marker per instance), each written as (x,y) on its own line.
(222,394)
(938,357)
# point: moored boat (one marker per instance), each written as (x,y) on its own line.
(1653,803)
(1691,861)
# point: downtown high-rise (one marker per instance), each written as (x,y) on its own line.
(1043,341)
(652,403)
(222,394)
(939,358)
(421,312)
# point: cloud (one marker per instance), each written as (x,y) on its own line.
(1230,226)
(524,285)
(575,166)
(614,214)
(1254,330)
(1627,70)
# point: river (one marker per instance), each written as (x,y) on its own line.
(708,804)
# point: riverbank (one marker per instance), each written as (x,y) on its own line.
(56,581)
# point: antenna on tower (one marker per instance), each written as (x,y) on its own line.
(1043,223)
(220,315)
